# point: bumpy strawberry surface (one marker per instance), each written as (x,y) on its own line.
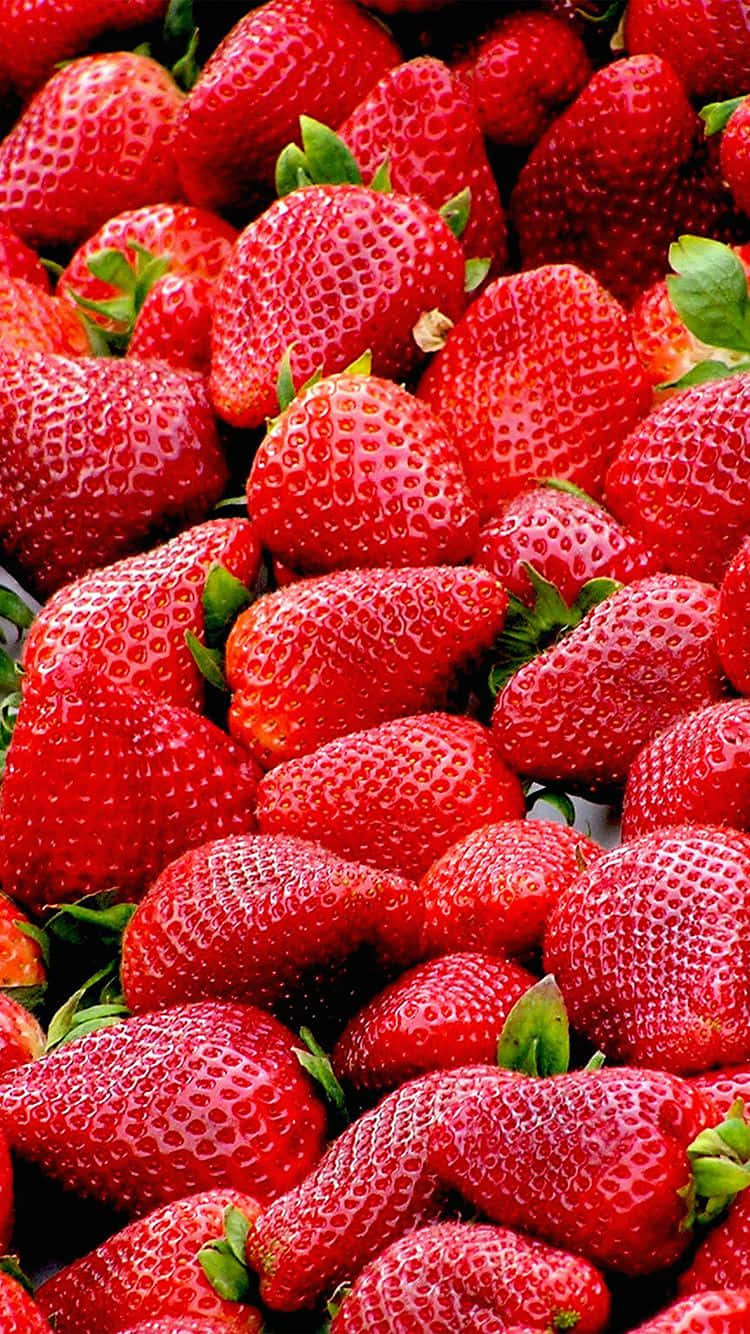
(174,324)
(705,41)
(19,261)
(21,963)
(732,628)
(35,38)
(735,154)
(19,1313)
(725,1085)
(21,1038)
(34,321)
(723,1258)
(718,1312)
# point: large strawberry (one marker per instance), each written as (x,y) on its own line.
(539,379)
(327,273)
(705,41)
(373,644)
(724,1311)
(732,627)
(32,320)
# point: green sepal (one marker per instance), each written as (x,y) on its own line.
(535,1039)
(107,919)
(337,1299)
(323,159)
(179,23)
(362,365)
(230,502)
(569,488)
(565,1319)
(594,1063)
(186,70)
(224,597)
(133,280)
(208,661)
(456,211)
(552,796)
(11,674)
(223,1261)
(54,269)
(705,371)
(14,609)
(38,935)
(716,115)
(720,1161)
(317,1063)
(181,35)
(11,1265)
(291,170)
(612,12)
(32,998)
(285,391)
(709,292)
(381,181)
(475,272)
(70,1021)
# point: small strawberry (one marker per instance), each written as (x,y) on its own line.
(33,321)
(174,324)
(21,962)
(705,41)
(19,1313)
(21,1038)
(732,629)
(718,1312)
(18,261)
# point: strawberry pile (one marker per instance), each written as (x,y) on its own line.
(375,514)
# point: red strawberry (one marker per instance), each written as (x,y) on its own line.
(621,172)
(21,963)
(174,323)
(151,1269)
(732,629)
(465,1276)
(410,6)
(21,1038)
(149,1110)
(253,918)
(705,41)
(18,261)
(19,1313)
(522,73)
(566,536)
(647,948)
(494,889)
(422,121)
(582,709)
(723,1259)
(152,780)
(181,1325)
(697,772)
(126,622)
(101,454)
(359,472)
(719,1312)
(96,139)
(33,321)
(735,151)
(538,379)
(378,644)
(725,1086)
(396,796)
(328,272)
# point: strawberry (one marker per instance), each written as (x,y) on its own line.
(697,772)
(326,273)
(378,645)
(96,139)
(538,379)
(149,1270)
(174,324)
(19,1313)
(395,796)
(255,918)
(33,321)
(522,73)
(723,1259)
(458,1276)
(493,890)
(100,456)
(357,471)
(21,963)
(622,171)
(719,1312)
(126,622)
(732,634)
(647,949)
(159,1106)
(734,153)
(566,536)
(157,780)
(181,1325)
(421,120)
(409,6)
(18,261)
(21,1038)
(705,41)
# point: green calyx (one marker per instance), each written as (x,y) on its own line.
(224,597)
(133,281)
(456,212)
(709,292)
(286,392)
(181,37)
(716,115)
(11,1265)
(223,1261)
(14,612)
(475,272)
(720,1161)
(316,1062)
(535,1039)
(323,159)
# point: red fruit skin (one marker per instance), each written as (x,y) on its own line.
(19,1313)
(470,1276)
(725,1086)
(697,772)
(101,455)
(126,623)
(441,1014)
(647,948)
(539,379)
(247,917)
(405,6)
(379,645)
(174,324)
(33,321)
(152,780)
(590,1162)
(523,72)
(150,1269)
(286,58)
(96,139)
(163,1105)
(396,796)
(494,889)
(732,630)
(567,539)
(705,41)
(623,171)
(18,261)
(179,1325)
(720,1312)
(680,481)
(328,272)
(359,472)
(422,118)
(369,1188)
(735,155)
(723,1258)
(21,963)
(21,1038)
(581,711)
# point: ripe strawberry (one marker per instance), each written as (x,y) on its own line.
(494,889)
(21,1038)
(33,321)
(21,963)
(96,139)
(647,948)
(181,1325)
(126,622)
(255,918)
(679,481)
(174,324)
(19,1313)
(723,1259)
(378,644)
(441,1014)
(18,261)
(719,1312)
(422,120)
(522,73)
(152,780)
(149,1270)
(101,455)
(396,796)
(734,153)
(539,379)
(697,772)
(705,41)
(732,631)
(162,1105)
(582,709)
(357,471)
(623,171)
(725,1086)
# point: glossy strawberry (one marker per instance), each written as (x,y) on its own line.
(539,379)
(19,261)
(34,39)
(395,796)
(725,1086)
(21,1038)
(33,321)
(647,948)
(705,41)
(723,1259)
(21,963)
(327,273)
(732,632)
(380,644)
(359,472)
(101,455)
(735,152)
(718,1312)
(174,324)
(19,1313)
(493,889)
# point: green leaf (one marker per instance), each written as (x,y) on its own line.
(186,70)
(63,1021)
(709,292)
(142,49)
(362,366)
(705,371)
(224,597)
(608,15)
(560,801)
(720,1161)
(179,23)
(316,1062)
(291,170)
(10,674)
(594,1063)
(111,266)
(119,308)
(562,484)
(52,267)
(38,935)
(109,919)
(11,1265)
(593,592)
(14,609)
(231,502)
(535,1037)
(285,391)
(715,115)
(456,211)
(224,1272)
(381,181)
(31,998)
(329,161)
(236,1229)
(337,1299)
(475,272)
(208,661)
